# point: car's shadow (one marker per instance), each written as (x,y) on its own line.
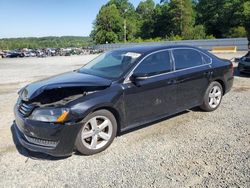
(41,156)
(30,154)
(196,109)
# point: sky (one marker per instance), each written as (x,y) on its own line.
(37,18)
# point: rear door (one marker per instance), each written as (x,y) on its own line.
(193,72)
(154,96)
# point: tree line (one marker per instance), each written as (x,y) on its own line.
(44,42)
(120,21)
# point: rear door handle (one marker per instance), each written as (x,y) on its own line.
(207,73)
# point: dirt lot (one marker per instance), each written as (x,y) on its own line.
(193,149)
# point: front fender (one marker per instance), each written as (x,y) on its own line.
(106,99)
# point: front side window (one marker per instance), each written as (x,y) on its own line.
(155,64)
(111,64)
(186,58)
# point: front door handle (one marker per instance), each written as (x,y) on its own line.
(171,82)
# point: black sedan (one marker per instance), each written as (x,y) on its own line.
(14,54)
(119,90)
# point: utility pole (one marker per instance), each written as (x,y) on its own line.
(125,26)
(181,19)
(125,30)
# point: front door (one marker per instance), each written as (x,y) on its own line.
(153,97)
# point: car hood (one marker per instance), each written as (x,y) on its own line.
(65,80)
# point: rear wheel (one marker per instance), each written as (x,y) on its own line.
(213,97)
(97,133)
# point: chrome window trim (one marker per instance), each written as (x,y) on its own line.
(132,71)
(126,80)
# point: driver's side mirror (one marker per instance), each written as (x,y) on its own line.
(137,77)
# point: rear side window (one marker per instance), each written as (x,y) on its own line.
(206,59)
(186,58)
(155,64)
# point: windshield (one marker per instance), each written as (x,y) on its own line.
(111,64)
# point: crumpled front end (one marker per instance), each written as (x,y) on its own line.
(49,138)
(44,120)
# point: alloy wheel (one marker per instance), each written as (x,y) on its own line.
(96,132)
(215,95)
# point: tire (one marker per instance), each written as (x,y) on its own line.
(212,97)
(97,133)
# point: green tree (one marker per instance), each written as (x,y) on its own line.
(181,17)
(196,32)
(219,16)
(108,26)
(44,42)
(122,5)
(236,32)
(124,22)
(172,20)
(246,15)
(129,16)
(145,10)
(162,21)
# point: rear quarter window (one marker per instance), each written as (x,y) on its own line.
(206,59)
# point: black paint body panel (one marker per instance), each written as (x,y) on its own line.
(132,104)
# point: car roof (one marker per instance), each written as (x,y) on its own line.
(145,49)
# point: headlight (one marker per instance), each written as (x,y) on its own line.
(53,115)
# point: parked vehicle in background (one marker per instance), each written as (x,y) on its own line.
(244,62)
(117,91)
(32,53)
(14,54)
(49,52)
(1,54)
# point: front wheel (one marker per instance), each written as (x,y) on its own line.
(97,133)
(213,97)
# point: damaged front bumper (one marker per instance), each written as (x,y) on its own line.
(50,138)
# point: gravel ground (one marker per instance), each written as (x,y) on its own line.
(192,149)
